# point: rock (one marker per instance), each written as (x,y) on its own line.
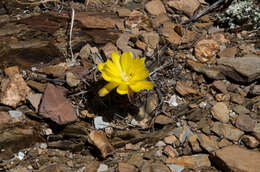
(182,133)
(241,109)
(184,88)
(248,67)
(255,90)
(236,98)
(125,167)
(221,86)
(4,117)
(187,6)
(168,150)
(250,141)
(155,166)
(212,73)
(71,79)
(57,70)
(237,158)
(56,107)
(14,89)
(136,160)
(155,7)
(219,37)
(91,166)
(108,49)
(99,139)
(223,143)
(122,44)
(192,161)
(15,113)
(123,12)
(228,52)
(34,99)
(171,140)
(151,39)
(137,19)
(227,130)
(99,123)
(175,168)
(193,141)
(205,50)
(163,120)
(40,87)
(160,19)
(102,168)
(170,35)
(220,112)
(188,36)
(245,123)
(207,143)
(141,45)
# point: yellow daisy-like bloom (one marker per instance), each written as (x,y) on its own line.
(126,73)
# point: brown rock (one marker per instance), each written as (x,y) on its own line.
(4,117)
(236,98)
(34,99)
(248,67)
(71,79)
(92,166)
(241,109)
(155,7)
(183,88)
(193,161)
(136,160)
(141,45)
(188,36)
(156,166)
(205,50)
(220,112)
(207,143)
(221,86)
(187,6)
(223,143)
(182,133)
(56,107)
(55,70)
(255,90)
(136,19)
(227,130)
(160,19)
(14,89)
(237,158)
(108,49)
(123,12)
(125,167)
(151,39)
(36,85)
(219,37)
(250,141)
(245,123)
(168,150)
(172,140)
(193,141)
(99,139)
(171,35)
(228,52)
(163,120)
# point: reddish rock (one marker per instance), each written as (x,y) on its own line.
(187,6)
(108,49)
(14,89)
(4,118)
(237,158)
(125,167)
(99,139)
(172,153)
(171,35)
(193,161)
(160,19)
(155,7)
(184,88)
(56,107)
(205,50)
(245,123)
(221,86)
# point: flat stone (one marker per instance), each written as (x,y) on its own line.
(193,140)
(151,39)
(56,107)
(192,161)
(71,79)
(245,123)
(123,12)
(14,89)
(170,151)
(237,158)
(250,141)
(247,66)
(187,6)
(236,98)
(125,167)
(108,49)
(155,7)
(207,143)
(183,88)
(255,90)
(205,50)
(183,133)
(175,168)
(220,112)
(227,130)
(102,168)
(4,117)
(163,120)
(160,19)
(99,139)
(241,109)
(34,99)
(156,166)
(220,85)
(171,35)
(171,140)
(228,52)
(40,87)
(92,166)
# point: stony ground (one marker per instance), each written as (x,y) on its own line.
(202,115)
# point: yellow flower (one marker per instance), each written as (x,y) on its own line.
(126,73)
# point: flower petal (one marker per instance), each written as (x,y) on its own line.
(139,72)
(116,60)
(141,85)
(101,66)
(126,61)
(107,88)
(122,89)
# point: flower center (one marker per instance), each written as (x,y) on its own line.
(124,76)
